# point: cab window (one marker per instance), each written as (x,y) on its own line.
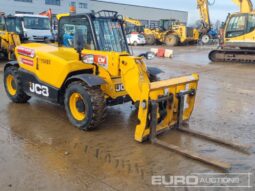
(71,26)
(236,26)
(251,23)
(2,23)
(13,24)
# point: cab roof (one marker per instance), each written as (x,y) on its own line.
(30,15)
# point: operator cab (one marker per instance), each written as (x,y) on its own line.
(101,31)
(239,25)
(11,24)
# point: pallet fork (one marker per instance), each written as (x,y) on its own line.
(179,126)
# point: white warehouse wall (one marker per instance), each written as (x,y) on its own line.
(38,6)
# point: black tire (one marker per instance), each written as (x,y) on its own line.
(20,96)
(94,104)
(150,39)
(135,43)
(171,40)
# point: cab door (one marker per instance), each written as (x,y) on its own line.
(249,36)
(235,30)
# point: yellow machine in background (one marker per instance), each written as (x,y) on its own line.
(170,32)
(175,33)
(133,25)
(8,40)
(239,36)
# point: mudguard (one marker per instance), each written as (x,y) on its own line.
(90,79)
(11,63)
(154,71)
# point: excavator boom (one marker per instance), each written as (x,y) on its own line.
(203,7)
(133,21)
(246,6)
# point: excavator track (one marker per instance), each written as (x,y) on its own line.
(234,55)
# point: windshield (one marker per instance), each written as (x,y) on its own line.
(37,23)
(236,26)
(110,36)
(13,24)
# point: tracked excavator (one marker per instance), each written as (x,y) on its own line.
(239,36)
(91,68)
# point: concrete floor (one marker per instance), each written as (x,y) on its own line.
(40,150)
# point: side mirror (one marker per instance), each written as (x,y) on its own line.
(79,42)
(148,55)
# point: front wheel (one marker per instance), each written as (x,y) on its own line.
(171,40)
(13,85)
(85,106)
(135,43)
(150,39)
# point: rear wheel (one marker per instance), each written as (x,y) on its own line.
(150,39)
(13,85)
(205,39)
(171,40)
(85,106)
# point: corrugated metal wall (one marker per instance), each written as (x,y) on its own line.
(140,12)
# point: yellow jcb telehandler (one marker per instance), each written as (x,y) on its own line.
(92,68)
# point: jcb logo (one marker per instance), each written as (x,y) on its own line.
(39,89)
(119,88)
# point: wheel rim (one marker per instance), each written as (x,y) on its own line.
(170,40)
(11,85)
(77,107)
(205,39)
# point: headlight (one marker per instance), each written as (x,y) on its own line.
(88,59)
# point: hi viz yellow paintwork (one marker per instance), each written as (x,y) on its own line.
(246,6)
(11,85)
(180,30)
(8,42)
(86,77)
(203,7)
(52,64)
(245,39)
(78,115)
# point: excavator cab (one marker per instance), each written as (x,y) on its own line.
(166,24)
(239,27)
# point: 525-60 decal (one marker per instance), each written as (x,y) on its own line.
(39,89)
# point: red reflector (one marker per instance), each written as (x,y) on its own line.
(26,51)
